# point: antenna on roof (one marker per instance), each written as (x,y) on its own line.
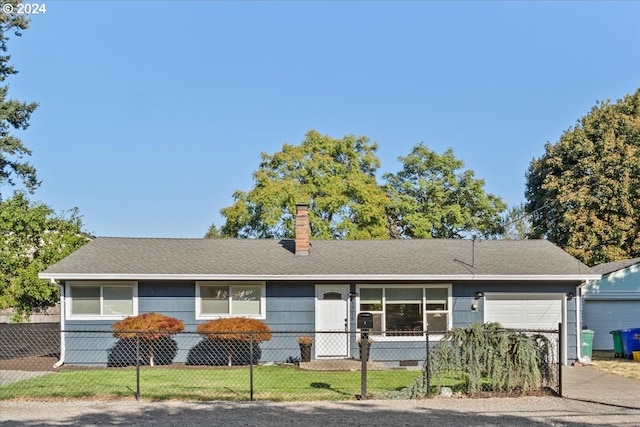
(473,251)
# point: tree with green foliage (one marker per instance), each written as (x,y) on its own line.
(487,357)
(214,233)
(584,191)
(335,176)
(432,197)
(14,114)
(33,237)
(515,223)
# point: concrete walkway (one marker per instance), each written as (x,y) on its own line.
(586,383)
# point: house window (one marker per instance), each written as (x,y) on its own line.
(219,299)
(104,300)
(407,310)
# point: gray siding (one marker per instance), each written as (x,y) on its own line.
(175,299)
(291,307)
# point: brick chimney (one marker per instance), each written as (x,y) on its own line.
(303,231)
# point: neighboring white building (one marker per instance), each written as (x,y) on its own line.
(613,302)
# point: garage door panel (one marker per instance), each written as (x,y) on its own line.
(608,315)
(508,319)
(524,311)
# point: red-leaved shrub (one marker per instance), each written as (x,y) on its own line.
(150,327)
(230,332)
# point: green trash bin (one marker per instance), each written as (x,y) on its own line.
(618,350)
(587,343)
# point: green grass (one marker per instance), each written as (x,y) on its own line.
(277,383)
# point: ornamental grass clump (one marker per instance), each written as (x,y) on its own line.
(151,328)
(235,333)
(487,357)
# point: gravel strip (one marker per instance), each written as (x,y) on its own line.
(526,411)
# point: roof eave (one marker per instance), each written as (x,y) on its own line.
(334,277)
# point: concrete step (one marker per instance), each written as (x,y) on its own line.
(340,365)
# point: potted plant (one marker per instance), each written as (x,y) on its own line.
(305,343)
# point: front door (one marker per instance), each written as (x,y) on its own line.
(332,314)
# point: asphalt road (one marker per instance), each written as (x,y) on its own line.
(524,411)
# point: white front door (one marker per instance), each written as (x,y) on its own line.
(332,314)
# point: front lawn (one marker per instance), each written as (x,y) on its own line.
(277,383)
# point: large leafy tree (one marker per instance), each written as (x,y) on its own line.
(214,233)
(14,114)
(33,237)
(515,223)
(434,197)
(584,191)
(335,176)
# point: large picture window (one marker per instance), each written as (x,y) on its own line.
(219,299)
(407,310)
(111,300)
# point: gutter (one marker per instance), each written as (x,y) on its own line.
(315,277)
(62,325)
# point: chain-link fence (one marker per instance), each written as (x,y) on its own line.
(289,366)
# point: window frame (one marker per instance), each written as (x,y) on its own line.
(230,285)
(101,284)
(419,336)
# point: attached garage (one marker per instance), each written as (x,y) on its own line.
(527,311)
(607,315)
(524,311)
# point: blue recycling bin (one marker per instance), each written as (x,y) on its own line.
(630,341)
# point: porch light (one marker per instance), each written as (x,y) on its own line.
(570,296)
(479,295)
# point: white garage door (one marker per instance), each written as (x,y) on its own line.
(524,311)
(603,317)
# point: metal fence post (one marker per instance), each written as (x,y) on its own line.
(426,375)
(560,359)
(137,366)
(251,365)
(364,358)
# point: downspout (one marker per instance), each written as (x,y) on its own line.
(580,358)
(63,314)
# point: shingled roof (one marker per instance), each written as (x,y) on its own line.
(208,259)
(611,267)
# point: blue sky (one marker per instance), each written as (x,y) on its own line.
(152,113)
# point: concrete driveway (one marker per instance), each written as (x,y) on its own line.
(586,383)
